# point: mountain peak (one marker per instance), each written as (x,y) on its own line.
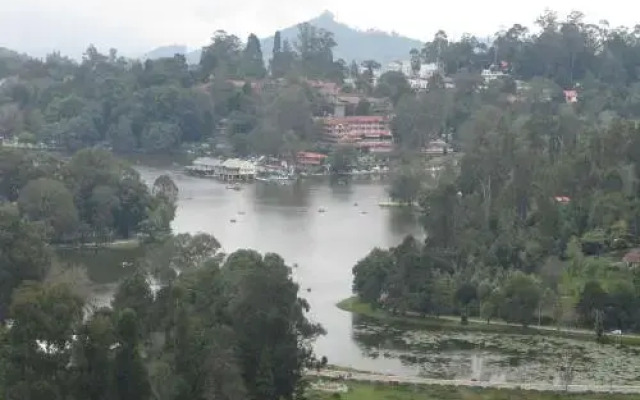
(327,15)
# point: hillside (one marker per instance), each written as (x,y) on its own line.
(353,44)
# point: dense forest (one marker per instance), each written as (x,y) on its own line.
(534,221)
(157,105)
(228,327)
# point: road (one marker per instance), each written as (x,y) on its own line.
(415,380)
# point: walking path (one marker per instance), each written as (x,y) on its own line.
(415,380)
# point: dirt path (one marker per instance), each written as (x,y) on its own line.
(415,380)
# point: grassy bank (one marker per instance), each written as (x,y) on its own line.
(449,322)
(363,391)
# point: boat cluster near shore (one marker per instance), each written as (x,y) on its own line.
(264,169)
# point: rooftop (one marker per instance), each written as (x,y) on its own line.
(633,256)
(357,119)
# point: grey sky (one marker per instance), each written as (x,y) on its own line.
(135,26)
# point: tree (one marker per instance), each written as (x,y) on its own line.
(165,188)
(92,358)
(521,296)
(222,56)
(24,254)
(370,276)
(341,160)
(134,294)
(315,51)
(370,66)
(121,135)
(160,136)
(416,62)
(252,59)
(405,186)
(44,320)
(132,380)
(465,294)
(593,300)
(51,202)
(393,85)
(273,333)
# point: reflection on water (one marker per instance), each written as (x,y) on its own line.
(104,266)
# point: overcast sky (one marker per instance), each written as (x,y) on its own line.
(136,26)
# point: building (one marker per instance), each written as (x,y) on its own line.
(437,147)
(571,96)
(205,166)
(309,159)
(235,169)
(632,258)
(418,84)
(426,70)
(490,75)
(232,169)
(369,133)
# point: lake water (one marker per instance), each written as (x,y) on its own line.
(323,247)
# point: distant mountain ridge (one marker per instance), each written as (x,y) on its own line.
(353,44)
(165,51)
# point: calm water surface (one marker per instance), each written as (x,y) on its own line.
(323,247)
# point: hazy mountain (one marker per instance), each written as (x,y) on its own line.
(353,44)
(165,51)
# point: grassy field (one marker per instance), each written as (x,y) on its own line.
(362,391)
(353,305)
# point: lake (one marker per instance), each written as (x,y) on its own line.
(323,247)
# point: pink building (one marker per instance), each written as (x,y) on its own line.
(571,96)
(372,133)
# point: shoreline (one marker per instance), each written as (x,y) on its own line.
(354,306)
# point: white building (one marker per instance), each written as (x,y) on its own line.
(418,83)
(489,75)
(426,70)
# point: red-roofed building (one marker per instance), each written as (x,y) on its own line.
(372,133)
(571,96)
(306,158)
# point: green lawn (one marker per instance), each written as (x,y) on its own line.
(361,391)
(353,305)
